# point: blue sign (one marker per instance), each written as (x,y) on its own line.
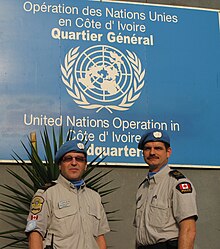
(110,71)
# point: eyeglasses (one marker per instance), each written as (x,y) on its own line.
(69,159)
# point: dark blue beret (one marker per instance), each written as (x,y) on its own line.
(153,135)
(71,145)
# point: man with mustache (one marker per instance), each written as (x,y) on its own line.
(68,215)
(166,210)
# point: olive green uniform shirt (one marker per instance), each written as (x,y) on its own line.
(74,217)
(161,203)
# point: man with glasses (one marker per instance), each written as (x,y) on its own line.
(68,215)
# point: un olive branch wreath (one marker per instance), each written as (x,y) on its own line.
(80,99)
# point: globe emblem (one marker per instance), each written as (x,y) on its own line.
(103,73)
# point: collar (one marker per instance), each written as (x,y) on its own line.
(160,174)
(66,183)
(77,184)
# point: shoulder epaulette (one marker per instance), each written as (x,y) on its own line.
(142,182)
(176,174)
(48,185)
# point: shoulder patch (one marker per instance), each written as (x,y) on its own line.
(184,187)
(31,225)
(37,204)
(176,174)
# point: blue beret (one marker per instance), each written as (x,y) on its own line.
(153,135)
(71,145)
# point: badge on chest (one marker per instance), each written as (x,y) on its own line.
(63,204)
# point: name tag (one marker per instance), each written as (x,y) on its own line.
(63,204)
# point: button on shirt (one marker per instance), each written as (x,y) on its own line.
(160,206)
(74,217)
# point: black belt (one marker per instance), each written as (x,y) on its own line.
(171,244)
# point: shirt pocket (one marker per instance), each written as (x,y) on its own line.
(64,212)
(94,214)
(158,215)
(65,221)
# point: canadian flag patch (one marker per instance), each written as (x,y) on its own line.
(34,217)
(184,187)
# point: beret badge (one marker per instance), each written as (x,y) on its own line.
(157,134)
(81,146)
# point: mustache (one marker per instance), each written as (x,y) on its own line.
(152,157)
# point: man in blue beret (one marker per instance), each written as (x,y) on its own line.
(166,210)
(68,215)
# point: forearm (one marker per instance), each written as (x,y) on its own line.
(35,241)
(187,234)
(101,242)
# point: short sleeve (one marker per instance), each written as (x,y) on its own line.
(38,216)
(103,225)
(184,200)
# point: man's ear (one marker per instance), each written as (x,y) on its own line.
(169,152)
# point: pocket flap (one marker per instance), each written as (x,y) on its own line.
(64,212)
(94,212)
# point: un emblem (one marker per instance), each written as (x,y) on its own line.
(102,77)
